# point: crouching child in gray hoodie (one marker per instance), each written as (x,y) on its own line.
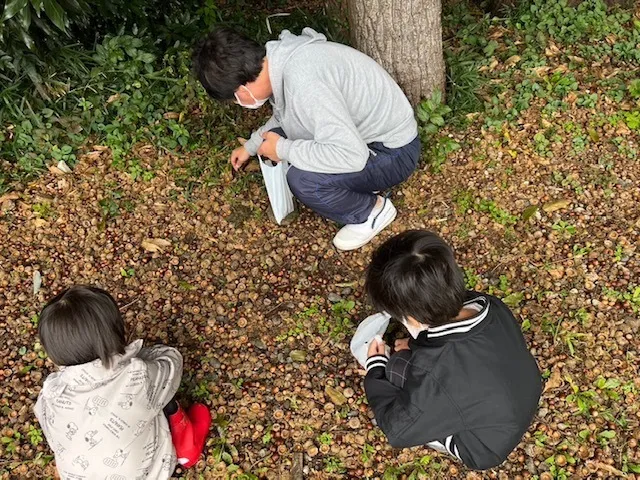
(107,411)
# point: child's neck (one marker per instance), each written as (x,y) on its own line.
(465,313)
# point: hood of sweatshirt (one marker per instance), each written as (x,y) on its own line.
(89,376)
(278,54)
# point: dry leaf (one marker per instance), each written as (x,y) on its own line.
(113,98)
(575,59)
(171,115)
(541,71)
(511,61)
(252,167)
(497,33)
(155,244)
(40,222)
(93,154)
(298,355)
(62,165)
(336,396)
(37,281)
(100,148)
(556,205)
(55,170)
(9,196)
(607,468)
(623,129)
(554,381)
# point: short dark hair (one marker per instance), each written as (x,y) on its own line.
(82,324)
(415,274)
(224,60)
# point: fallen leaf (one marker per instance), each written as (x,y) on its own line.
(575,59)
(100,148)
(40,222)
(556,205)
(623,129)
(155,244)
(529,212)
(607,468)
(555,380)
(113,98)
(252,167)
(514,299)
(511,61)
(552,50)
(55,170)
(171,115)
(298,355)
(62,165)
(336,396)
(93,154)
(37,281)
(9,196)
(541,71)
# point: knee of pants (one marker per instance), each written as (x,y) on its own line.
(302,183)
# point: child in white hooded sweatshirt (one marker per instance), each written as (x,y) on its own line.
(106,411)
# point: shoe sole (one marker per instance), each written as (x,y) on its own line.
(375,233)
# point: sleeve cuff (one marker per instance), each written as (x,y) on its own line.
(376,361)
(282,149)
(251,146)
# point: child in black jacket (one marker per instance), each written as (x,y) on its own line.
(465,383)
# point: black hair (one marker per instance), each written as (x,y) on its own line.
(224,60)
(81,324)
(415,274)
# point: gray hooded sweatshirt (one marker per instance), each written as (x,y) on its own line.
(108,423)
(331,100)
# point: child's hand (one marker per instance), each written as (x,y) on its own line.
(376,348)
(401,344)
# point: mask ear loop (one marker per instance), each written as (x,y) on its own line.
(271,16)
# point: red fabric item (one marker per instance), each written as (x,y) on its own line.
(189,431)
(182,436)
(201,421)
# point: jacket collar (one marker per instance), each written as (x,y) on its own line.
(449,331)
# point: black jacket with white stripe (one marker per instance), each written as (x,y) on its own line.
(471,387)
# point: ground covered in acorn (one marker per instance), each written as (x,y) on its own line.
(534,181)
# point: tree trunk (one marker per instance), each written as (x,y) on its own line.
(405,37)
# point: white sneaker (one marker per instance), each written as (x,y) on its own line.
(355,236)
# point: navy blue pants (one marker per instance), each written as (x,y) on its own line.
(348,197)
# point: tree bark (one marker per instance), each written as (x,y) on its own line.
(405,37)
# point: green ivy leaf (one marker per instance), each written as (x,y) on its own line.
(56,14)
(514,299)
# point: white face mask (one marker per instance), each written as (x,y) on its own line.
(256,103)
(414,331)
